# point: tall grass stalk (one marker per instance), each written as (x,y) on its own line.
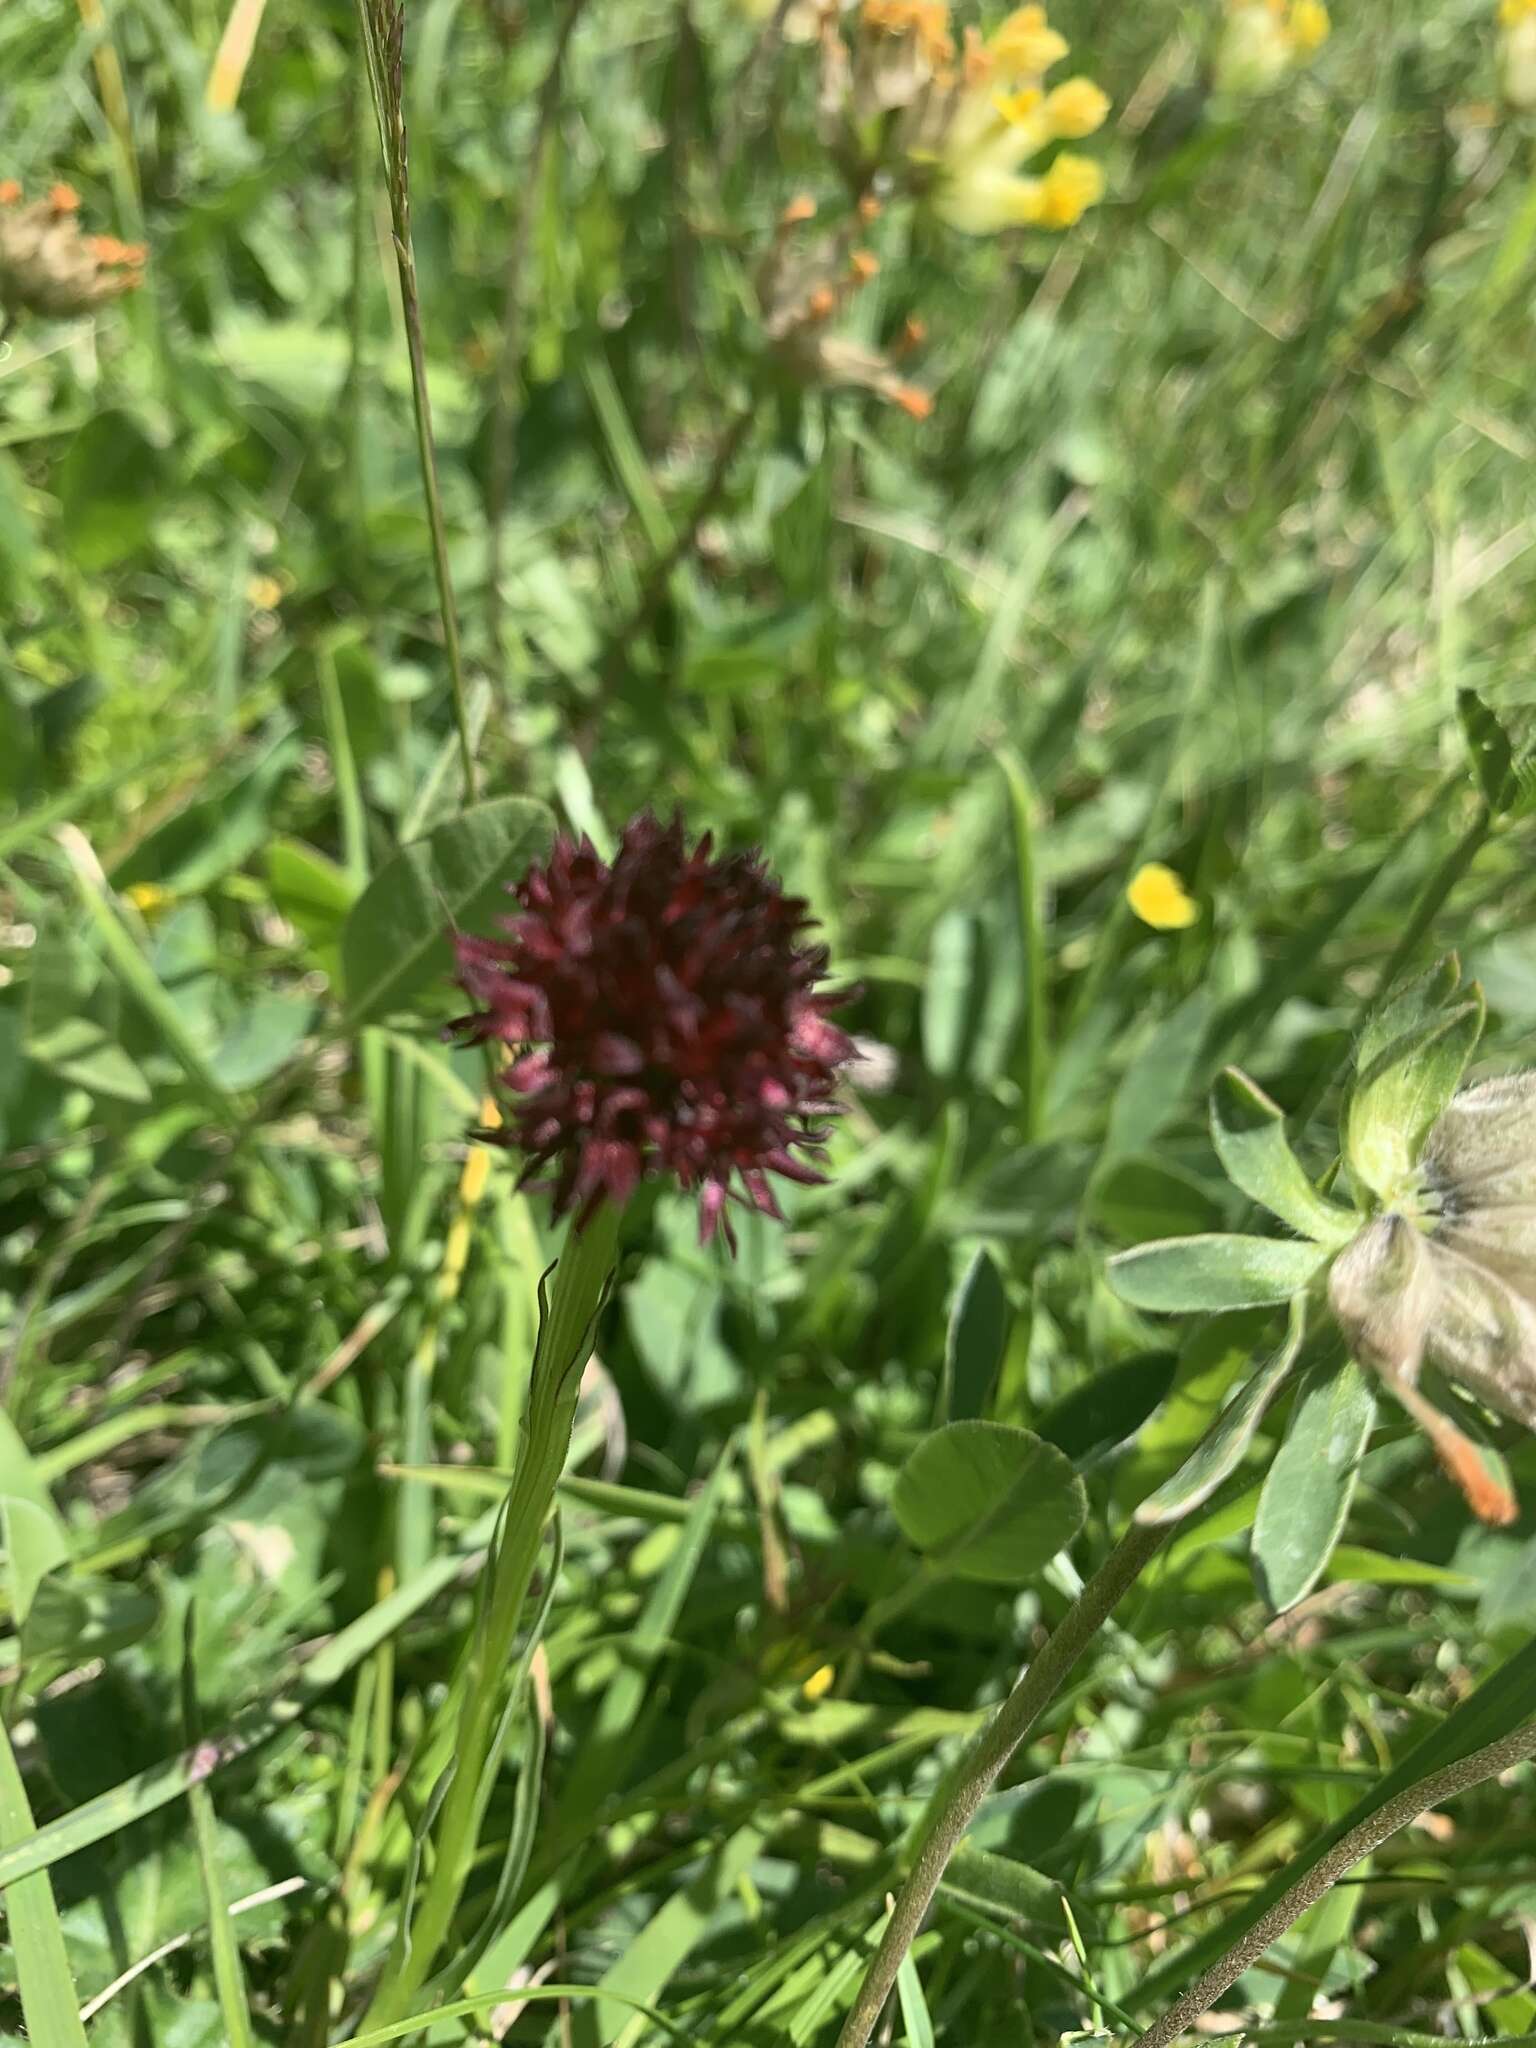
(383,32)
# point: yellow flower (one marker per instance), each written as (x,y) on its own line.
(1159,898)
(1307,26)
(1068,189)
(819,1684)
(1517,54)
(1076,109)
(148,898)
(1026,44)
(264,593)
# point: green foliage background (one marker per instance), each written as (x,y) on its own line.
(1224,499)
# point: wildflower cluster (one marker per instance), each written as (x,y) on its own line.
(1262,40)
(666,1021)
(955,122)
(1517,54)
(47,266)
(912,111)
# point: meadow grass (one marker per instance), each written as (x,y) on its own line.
(1216,550)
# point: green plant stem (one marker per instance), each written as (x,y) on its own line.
(565,1344)
(384,64)
(1358,1843)
(954,1806)
(503,438)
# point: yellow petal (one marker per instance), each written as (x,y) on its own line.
(819,1684)
(147,897)
(1068,189)
(1076,109)
(1160,899)
(1308,26)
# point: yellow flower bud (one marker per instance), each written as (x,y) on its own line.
(1076,109)
(1068,189)
(1517,57)
(1307,26)
(1026,45)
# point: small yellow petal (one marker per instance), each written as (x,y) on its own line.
(1026,45)
(1160,899)
(147,897)
(1076,109)
(1068,189)
(819,1684)
(1308,26)
(264,593)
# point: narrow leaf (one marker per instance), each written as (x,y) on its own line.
(1221,1450)
(1311,1482)
(49,2006)
(1212,1272)
(1248,1131)
(976,1340)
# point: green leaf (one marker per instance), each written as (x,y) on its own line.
(396,936)
(986,1501)
(49,2007)
(1409,1006)
(1017,1889)
(1248,1131)
(72,1020)
(1110,1407)
(262,1038)
(1222,1449)
(1492,755)
(1399,1095)
(314,893)
(1212,1272)
(1031,1060)
(977,1337)
(950,992)
(916,2021)
(75,1617)
(1309,1485)
(1136,1199)
(107,489)
(31,1529)
(1351,1561)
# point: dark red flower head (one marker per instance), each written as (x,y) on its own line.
(667,1021)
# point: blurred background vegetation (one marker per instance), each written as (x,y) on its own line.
(1222,503)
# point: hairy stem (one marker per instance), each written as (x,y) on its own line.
(1359,1842)
(955,1804)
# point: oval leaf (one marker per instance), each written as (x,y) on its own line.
(1225,1443)
(989,1502)
(395,938)
(1308,1488)
(1212,1272)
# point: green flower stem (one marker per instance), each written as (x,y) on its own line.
(564,1346)
(953,1807)
(1360,1842)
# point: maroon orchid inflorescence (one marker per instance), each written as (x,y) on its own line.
(666,1018)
